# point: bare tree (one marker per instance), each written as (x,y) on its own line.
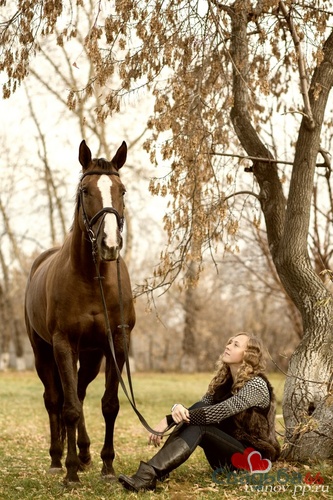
(287,232)
(11,333)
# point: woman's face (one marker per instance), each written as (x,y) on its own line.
(234,351)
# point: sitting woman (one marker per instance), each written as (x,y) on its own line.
(237,412)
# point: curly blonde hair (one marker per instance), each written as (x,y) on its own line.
(253,363)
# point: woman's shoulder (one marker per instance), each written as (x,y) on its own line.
(264,380)
(257,389)
(260,378)
(259,382)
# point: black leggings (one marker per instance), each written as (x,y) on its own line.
(216,444)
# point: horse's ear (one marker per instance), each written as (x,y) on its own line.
(84,155)
(120,157)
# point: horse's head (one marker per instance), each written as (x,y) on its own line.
(101,200)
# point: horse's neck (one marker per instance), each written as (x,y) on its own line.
(81,252)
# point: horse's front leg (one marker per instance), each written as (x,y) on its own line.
(110,409)
(90,364)
(53,396)
(66,360)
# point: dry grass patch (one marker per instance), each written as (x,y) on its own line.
(24,442)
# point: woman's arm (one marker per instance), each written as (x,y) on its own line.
(160,427)
(254,393)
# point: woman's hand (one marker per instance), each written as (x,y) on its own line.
(161,427)
(180,414)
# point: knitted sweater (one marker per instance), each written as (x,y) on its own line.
(254,393)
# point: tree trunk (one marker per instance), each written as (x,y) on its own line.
(307,402)
(307,405)
(188,363)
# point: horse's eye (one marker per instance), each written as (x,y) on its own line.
(84,190)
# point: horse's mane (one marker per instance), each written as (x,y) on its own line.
(102,163)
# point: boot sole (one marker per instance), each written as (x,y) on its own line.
(126,484)
(124,481)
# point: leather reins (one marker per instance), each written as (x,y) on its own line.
(93,239)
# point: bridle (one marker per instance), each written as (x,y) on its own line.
(89,223)
(93,238)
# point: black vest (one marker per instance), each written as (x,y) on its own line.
(254,427)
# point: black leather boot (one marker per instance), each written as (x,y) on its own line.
(174,453)
(143,479)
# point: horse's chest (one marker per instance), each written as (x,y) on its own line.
(79,314)
(86,330)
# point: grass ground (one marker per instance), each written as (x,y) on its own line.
(24,442)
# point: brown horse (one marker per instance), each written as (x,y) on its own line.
(65,318)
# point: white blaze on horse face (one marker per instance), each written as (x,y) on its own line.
(104,184)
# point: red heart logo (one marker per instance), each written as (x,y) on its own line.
(258,464)
(240,460)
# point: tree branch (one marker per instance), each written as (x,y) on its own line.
(301,64)
(253,158)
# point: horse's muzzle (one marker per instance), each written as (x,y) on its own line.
(108,253)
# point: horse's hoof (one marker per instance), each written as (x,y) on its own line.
(109,478)
(55,470)
(108,472)
(72,484)
(85,466)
